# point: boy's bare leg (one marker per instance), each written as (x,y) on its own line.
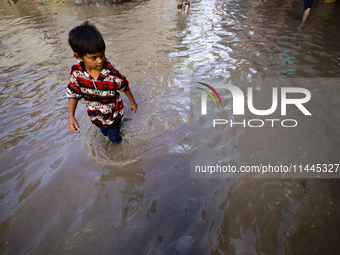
(186,8)
(305,14)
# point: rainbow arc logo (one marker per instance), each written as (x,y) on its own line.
(209,93)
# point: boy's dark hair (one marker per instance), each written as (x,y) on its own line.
(85,39)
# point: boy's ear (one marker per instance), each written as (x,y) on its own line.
(77,57)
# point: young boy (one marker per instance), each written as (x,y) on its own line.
(95,80)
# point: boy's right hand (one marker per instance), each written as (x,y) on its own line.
(73,124)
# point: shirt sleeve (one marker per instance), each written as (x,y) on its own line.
(121,81)
(73,88)
(125,85)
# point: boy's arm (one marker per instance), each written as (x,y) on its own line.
(133,104)
(72,122)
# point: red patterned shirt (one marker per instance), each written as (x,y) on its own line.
(102,97)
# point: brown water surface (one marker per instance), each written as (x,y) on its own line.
(62,193)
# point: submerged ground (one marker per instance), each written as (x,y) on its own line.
(62,193)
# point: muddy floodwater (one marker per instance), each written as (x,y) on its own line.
(63,193)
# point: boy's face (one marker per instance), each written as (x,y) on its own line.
(93,62)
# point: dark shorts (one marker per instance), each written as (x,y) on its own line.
(180,3)
(308,4)
(113,132)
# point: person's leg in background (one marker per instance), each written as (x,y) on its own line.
(187,6)
(179,5)
(308,5)
(305,14)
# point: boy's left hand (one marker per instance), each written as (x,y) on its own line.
(134,107)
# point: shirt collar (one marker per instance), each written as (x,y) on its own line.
(107,68)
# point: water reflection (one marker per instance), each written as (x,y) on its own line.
(133,193)
(280,203)
(76,194)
